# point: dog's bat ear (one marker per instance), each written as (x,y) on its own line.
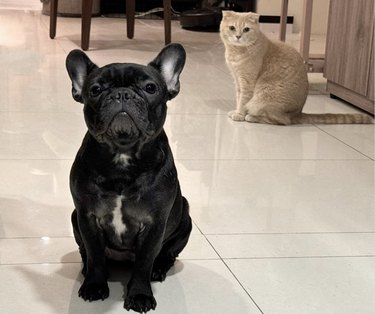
(170,62)
(79,66)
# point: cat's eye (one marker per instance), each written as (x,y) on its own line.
(246,29)
(232,28)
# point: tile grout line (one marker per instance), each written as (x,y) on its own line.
(221,259)
(80,262)
(346,144)
(300,257)
(251,298)
(213,159)
(291,233)
(35,237)
(276,159)
(214,234)
(206,259)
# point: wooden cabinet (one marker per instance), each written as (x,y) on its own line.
(371,78)
(349,59)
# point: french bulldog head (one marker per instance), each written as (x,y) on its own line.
(125,103)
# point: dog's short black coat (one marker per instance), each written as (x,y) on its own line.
(128,203)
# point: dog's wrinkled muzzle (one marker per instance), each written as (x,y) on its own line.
(122,125)
(122,111)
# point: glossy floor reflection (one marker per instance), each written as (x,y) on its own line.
(284,216)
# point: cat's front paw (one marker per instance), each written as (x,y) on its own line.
(236,116)
(250,118)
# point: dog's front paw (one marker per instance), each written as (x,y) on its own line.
(158,275)
(161,267)
(140,303)
(94,291)
(236,116)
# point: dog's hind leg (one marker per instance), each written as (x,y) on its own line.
(77,237)
(172,247)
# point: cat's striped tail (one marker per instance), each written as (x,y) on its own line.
(333,118)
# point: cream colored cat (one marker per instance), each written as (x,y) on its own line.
(270,77)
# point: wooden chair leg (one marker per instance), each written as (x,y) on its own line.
(130,13)
(53,18)
(86,23)
(167,21)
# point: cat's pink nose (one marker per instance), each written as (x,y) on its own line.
(238,36)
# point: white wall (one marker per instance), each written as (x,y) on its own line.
(21,4)
(295,8)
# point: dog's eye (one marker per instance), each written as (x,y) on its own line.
(232,28)
(246,29)
(150,88)
(95,90)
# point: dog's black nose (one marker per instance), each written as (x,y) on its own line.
(124,95)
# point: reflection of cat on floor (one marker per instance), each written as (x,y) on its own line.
(270,77)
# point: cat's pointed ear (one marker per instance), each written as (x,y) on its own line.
(254,17)
(78,66)
(170,62)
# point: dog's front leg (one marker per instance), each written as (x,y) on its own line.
(140,297)
(95,285)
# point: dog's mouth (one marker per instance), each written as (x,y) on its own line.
(122,128)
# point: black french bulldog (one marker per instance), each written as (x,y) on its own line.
(128,203)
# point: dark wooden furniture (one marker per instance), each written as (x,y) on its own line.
(130,14)
(349,67)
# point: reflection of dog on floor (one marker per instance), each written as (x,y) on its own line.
(128,203)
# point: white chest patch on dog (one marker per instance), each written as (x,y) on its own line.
(117,222)
(122,160)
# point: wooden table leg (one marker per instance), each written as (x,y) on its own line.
(167,21)
(130,12)
(53,18)
(86,23)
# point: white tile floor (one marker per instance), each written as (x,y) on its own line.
(284,216)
